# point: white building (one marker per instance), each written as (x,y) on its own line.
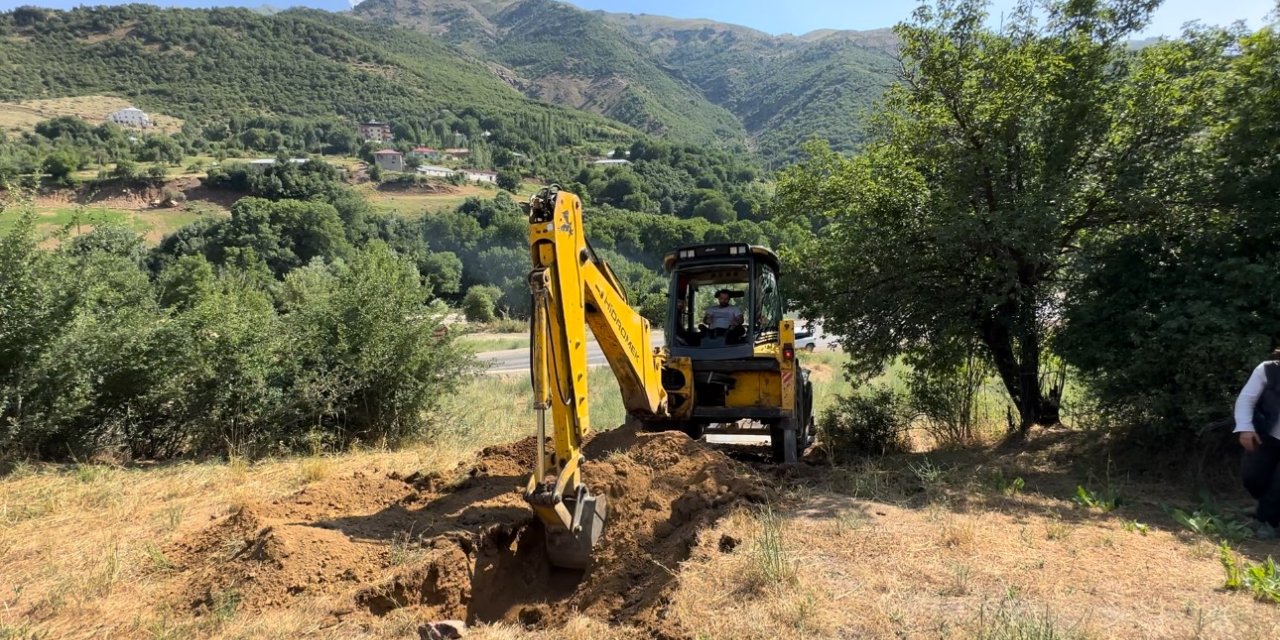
(475,175)
(266,162)
(611,161)
(389,160)
(433,171)
(130,117)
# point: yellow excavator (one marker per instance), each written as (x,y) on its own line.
(732,370)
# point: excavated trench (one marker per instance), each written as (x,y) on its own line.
(466,546)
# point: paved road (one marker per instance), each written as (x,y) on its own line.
(517,360)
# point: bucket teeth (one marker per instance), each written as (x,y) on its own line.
(571,548)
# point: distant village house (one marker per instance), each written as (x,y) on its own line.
(476,175)
(130,117)
(389,160)
(432,171)
(611,161)
(425,152)
(374,131)
(457,152)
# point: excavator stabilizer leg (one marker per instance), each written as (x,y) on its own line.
(571,548)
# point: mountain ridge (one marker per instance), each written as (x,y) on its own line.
(677,77)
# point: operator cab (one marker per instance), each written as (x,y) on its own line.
(724,301)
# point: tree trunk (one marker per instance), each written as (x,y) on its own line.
(1019,370)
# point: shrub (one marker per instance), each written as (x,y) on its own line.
(947,398)
(479,301)
(95,358)
(509,179)
(873,421)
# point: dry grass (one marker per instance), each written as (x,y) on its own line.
(23,115)
(906,548)
(912,546)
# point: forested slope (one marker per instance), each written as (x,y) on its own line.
(560,54)
(211,65)
(785,88)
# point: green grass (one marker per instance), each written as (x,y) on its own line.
(481,343)
(75,219)
(412,204)
(497,409)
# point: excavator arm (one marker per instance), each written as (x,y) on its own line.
(572,289)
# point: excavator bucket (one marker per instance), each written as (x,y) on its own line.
(571,548)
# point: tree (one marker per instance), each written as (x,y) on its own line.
(991,161)
(1165,320)
(478,302)
(59,165)
(715,209)
(509,179)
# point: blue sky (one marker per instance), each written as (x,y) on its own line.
(788,16)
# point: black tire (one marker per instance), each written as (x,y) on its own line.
(694,430)
(810,347)
(783,443)
(810,430)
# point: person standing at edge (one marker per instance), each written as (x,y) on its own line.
(1257,413)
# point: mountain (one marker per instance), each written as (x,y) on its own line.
(557,53)
(211,65)
(784,89)
(695,80)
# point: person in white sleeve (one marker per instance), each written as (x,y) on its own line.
(1257,413)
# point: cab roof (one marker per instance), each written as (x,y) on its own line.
(701,254)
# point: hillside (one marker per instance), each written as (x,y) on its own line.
(784,88)
(556,53)
(691,80)
(211,65)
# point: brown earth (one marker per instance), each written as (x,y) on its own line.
(465,546)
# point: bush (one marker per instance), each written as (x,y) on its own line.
(95,358)
(948,400)
(479,301)
(873,421)
(509,179)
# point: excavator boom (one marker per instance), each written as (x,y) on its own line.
(573,289)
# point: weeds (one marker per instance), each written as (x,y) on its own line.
(1207,523)
(90,473)
(932,478)
(1261,580)
(1012,623)
(1105,500)
(405,548)
(1057,530)
(314,468)
(1007,486)
(959,581)
(225,603)
(172,516)
(956,534)
(772,563)
(1133,526)
(849,520)
(19,632)
(158,560)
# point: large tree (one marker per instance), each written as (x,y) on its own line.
(996,154)
(1166,320)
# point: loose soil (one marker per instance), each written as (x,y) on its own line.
(465,545)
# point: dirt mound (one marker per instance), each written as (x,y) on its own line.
(465,545)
